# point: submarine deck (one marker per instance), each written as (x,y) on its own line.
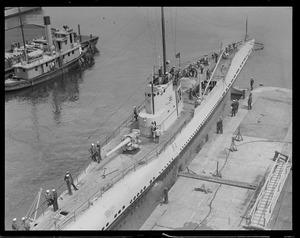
(91,182)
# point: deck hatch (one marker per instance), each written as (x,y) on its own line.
(64,213)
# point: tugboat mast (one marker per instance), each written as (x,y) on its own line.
(164,42)
(21,24)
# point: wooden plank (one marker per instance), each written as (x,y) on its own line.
(220,180)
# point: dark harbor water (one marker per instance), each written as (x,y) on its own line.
(49,128)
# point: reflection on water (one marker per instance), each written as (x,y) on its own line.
(59,90)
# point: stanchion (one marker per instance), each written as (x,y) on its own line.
(217,173)
(232,146)
(239,136)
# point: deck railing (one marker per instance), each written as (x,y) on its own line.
(269,209)
(277,191)
(82,168)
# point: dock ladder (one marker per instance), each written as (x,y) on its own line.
(260,214)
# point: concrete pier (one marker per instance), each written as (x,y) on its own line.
(195,204)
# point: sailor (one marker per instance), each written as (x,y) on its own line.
(220,126)
(14,225)
(205,60)
(92,152)
(172,71)
(249,101)
(135,114)
(232,109)
(251,83)
(98,151)
(207,74)
(25,224)
(236,106)
(71,180)
(54,198)
(216,57)
(154,132)
(68,181)
(48,198)
(226,49)
(176,77)
(190,92)
(193,71)
(157,133)
(201,68)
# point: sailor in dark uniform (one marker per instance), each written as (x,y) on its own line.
(220,126)
(232,109)
(251,83)
(54,198)
(48,198)
(93,152)
(14,225)
(68,182)
(135,114)
(249,101)
(71,179)
(25,224)
(98,152)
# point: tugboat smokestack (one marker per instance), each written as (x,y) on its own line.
(48,32)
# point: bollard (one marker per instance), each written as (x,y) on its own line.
(166,198)
(244,93)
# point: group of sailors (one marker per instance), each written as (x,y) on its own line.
(234,107)
(95,152)
(190,71)
(25,226)
(51,199)
(229,48)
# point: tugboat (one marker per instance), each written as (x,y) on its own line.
(49,58)
(175,110)
(16,53)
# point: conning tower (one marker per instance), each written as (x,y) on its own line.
(163,104)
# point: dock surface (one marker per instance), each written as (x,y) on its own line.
(196,203)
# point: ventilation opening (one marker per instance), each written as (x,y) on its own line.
(64,213)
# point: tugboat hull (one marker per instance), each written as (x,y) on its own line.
(17,85)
